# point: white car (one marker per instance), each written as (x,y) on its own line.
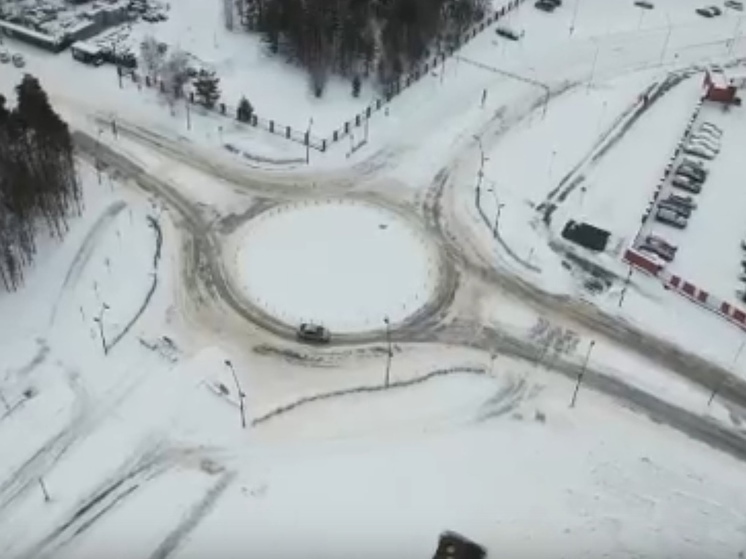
(710,132)
(687,161)
(18,61)
(705,145)
(712,128)
(4,56)
(734,5)
(699,151)
(706,138)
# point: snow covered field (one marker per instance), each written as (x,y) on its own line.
(344,265)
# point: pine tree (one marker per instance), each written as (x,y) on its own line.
(245,110)
(207,86)
(356,86)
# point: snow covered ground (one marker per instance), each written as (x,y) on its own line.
(139,442)
(342,264)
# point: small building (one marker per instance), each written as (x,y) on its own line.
(87,53)
(718,88)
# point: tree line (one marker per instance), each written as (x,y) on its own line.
(359,39)
(39,187)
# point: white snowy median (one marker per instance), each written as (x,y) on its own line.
(346,265)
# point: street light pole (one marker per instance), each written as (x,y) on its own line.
(722,382)
(308,141)
(624,289)
(665,43)
(480,174)
(582,374)
(241,394)
(100,320)
(593,66)
(389,353)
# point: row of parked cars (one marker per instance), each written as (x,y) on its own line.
(714,11)
(689,176)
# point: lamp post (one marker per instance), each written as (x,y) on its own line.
(593,66)
(582,374)
(626,285)
(308,141)
(480,174)
(722,382)
(498,210)
(389,352)
(241,394)
(100,321)
(665,43)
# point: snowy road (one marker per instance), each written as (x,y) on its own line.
(428,326)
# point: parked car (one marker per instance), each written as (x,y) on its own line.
(707,141)
(687,201)
(686,183)
(313,333)
(670,217)
(18,61)
(743,244)
(694,162)
(544,6)
(694,173)
(709,126)
(644,4)
(659,247)
(4,56)
(699,151)
(734,5)
(709,11)
(557,3)
(741,294)
(709,132)
(509,33)
(681,210)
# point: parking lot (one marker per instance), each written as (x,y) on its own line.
(708,251)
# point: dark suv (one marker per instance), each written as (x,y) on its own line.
(315,333)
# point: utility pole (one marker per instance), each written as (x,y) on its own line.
(100,320)
(480,174)
(593,67)
(626,285)
(241,394)
(574,16)
(98,154)
(735,35)
(665,43)
(389,352)
(44,490)
(188,115)
(308,141)
(722,382)
(582,374)
(5,402)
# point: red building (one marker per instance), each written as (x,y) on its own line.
(719,88)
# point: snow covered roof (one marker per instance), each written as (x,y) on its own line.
(13,28)
(718,79)
(87,48)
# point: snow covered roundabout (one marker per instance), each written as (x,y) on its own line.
(345,264)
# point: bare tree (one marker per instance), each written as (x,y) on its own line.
(151,55)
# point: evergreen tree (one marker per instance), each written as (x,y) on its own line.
(207,86)
(245,110)
(356,86)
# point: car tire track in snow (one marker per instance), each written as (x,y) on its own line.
(151,290)
(124,482)
(193,518)
(86,249)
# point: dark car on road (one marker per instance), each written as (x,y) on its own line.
(660,247)
(544,6)
(509,33)
(314,333)
(644,4)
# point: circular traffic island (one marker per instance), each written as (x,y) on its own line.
(344,265)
